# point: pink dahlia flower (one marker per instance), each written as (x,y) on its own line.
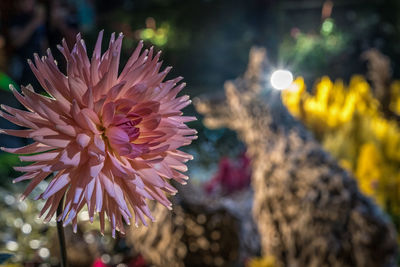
(111,140)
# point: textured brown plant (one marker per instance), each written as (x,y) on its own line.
(199,231)
(380,74)
(309,211)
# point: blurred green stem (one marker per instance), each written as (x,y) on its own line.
(61,237)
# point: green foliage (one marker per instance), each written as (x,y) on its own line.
(7,161)
(312,52)
(5,82)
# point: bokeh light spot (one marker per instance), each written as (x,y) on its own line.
(281,79)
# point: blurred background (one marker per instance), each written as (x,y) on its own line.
(343,56)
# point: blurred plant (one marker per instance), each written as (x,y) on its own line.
(5,82)
(331,105)
(395,97)
(157,36)
(313,51)
(349,123)
(7,161)
(200,231)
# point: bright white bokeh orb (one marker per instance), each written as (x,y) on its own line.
(281,79)
(44,253)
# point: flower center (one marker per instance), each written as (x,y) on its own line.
(123,132)
(129,126)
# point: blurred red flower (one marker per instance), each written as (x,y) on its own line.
(232,175)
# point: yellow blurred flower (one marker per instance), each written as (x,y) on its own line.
(369,168)
(267,261)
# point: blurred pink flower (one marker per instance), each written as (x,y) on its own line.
(231,176)
(111,140)
(99,263)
